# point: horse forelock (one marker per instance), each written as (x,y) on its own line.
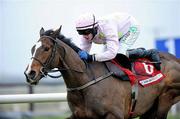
(48,32)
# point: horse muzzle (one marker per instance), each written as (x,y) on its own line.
(32,78)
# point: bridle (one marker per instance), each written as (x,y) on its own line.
(44,70)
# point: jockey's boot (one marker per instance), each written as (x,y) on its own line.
(134,54)
(154,57)
(151,54)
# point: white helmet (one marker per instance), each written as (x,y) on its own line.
(86,21)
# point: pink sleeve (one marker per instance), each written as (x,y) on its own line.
(112,42)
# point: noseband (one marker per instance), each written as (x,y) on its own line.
(44,70)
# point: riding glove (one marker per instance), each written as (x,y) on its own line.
(85,56)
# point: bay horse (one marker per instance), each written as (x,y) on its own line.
(92,92)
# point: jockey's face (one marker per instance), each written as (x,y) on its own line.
(87,33)
(88,37)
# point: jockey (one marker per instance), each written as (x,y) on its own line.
(118,32)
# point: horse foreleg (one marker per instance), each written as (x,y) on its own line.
(166,100)
(151,113)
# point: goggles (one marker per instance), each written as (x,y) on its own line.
(85,32)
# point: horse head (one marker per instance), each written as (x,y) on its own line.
(43,56)
(51,51)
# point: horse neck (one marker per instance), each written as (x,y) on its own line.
(168,62)
(76,72)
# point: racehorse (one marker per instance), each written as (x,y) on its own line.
(92,92)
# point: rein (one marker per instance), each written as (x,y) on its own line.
(44,70)
(91,82)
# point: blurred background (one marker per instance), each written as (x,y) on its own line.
(21,21)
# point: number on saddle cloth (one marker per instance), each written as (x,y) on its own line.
(146,73)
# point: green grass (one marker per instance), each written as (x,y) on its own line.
(174,117)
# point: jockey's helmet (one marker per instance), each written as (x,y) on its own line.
(86,24)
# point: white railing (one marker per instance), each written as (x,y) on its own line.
(37,98)
(30,98)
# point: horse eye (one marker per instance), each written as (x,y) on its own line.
(46,49)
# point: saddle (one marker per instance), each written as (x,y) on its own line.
(121,67)
(140,70)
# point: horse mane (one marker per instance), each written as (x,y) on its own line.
(69,42)
(61,37)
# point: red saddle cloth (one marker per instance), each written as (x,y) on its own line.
(143,71)
(146,73)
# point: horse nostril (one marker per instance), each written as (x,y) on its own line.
(32,74)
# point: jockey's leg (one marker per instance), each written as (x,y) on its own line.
(136,53)
(151,54)
(154,56)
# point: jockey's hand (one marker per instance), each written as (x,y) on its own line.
(85,56)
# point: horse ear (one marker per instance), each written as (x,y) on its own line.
(60,28)
(58,31)
(41,31)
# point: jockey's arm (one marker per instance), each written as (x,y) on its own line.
(112,42)
(112,46)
